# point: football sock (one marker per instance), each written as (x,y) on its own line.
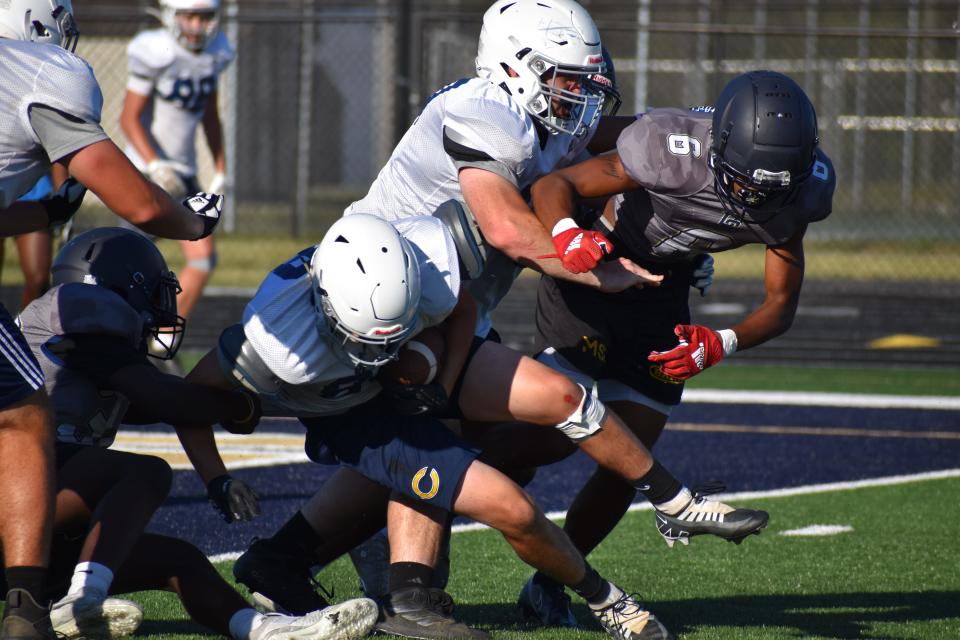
(91,576)
(610,594)
(297,536)
(662,490)
(592,588)
(242,623)
(410,574)
(30,579)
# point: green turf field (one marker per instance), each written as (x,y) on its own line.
(895,575)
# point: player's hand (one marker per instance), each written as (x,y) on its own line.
(207,206)
(64,202)
(622,274)
(700,348)
(702,273)
(165,175)
(580,250)
(233,499)
(416,399)
(246,424)
(217,183)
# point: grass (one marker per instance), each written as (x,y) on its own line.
(894,576)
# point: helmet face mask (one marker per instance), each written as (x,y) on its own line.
(131,266)
(543,53)
(365,286)
(605,83)
(194,23)
(764,140)
(47,21)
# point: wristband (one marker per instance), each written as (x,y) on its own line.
(729,339)
(563,225)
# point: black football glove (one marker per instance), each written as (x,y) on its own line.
(416,399)
(207,206)
(233,499)
(246,425)
(64,202)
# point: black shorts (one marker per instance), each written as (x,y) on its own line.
(20,373)
(609,336)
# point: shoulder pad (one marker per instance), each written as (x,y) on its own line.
(498,129)
(68,85)
(150,52)
(88,308)
(816,193)
(665,151)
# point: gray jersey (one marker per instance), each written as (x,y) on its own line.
(470,123)
(41,75)
(677,213)
(81,334)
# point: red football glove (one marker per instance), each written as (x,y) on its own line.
(700,347)
(580,250)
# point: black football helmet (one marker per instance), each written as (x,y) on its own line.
(606,83)
(128,264)
(764,140)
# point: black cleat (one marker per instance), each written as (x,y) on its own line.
(24,619)
(420,612)
(547,601)
(278,580)
(702,516)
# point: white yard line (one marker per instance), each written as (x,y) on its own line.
(822,399)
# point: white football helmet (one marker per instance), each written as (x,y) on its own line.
(366,284)
(49,21)
(186,34)
(541,51)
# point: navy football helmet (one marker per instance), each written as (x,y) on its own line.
(764,140)
(131,266)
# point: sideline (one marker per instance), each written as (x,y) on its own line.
(743,495)
(822,399)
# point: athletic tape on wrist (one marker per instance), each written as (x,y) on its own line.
(729,339)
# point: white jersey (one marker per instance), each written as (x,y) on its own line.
(45,75)
(282,326)
(181,83)
(470,123)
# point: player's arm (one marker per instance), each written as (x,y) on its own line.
(134,105)
(106,171)
(457,331)
(213,131)
(555,195)
(508,224)
(701,347)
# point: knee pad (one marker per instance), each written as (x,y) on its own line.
(205,264)
(586,420)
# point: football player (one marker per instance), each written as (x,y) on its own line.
(683,183)
(313,337)
(112,291)
(483,141)
(52,103)
(171,90)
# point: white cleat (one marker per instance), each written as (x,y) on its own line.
(91,615)
(348,620)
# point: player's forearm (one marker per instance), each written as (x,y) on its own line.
(769,320)
(137,136)
(458,336)
(22,217)
(201,449)
(165,217)
(553,198)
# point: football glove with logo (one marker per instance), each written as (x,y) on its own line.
(233,499)
(702,273)
(580,250)
(208,207)
(700,347)
(64,202)
(416,399)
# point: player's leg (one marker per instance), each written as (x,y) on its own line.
(200,259)
(26,485)
(110,496)
(35,251)
(162,563)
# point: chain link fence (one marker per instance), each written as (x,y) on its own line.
(321,91)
